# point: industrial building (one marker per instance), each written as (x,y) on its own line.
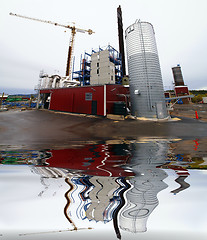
(95,89)
(101,86)
(96,100)
(101,66)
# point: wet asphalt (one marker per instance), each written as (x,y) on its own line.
(47,129)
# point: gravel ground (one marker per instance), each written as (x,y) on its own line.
(188,110)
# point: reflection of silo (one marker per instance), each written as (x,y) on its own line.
(146,86)
(178,77)
(141,198)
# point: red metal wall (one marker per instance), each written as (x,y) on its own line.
(113,95)
(180,91)
(74,99)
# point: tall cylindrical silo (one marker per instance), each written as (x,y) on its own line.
(146,86)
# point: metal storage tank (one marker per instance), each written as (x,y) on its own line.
(146,86)
(178,77)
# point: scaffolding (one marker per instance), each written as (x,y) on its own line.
(83,75)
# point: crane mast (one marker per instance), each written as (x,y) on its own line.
(72,38)
(70,53)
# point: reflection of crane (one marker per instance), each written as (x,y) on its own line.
(71,45)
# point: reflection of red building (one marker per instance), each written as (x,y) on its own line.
(99,160)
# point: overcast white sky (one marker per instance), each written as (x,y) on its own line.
(26,46)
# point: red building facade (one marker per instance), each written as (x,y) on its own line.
(95,100)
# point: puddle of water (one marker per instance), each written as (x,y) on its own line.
(147,189)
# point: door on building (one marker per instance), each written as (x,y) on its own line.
(46,100)
(94,107)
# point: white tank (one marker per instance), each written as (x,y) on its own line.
(145,80)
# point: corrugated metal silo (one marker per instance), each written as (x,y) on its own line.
(146,86)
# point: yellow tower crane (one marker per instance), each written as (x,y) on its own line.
(72,38)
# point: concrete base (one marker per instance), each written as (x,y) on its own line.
(154,119)
(115,117)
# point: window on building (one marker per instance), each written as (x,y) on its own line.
(88,96)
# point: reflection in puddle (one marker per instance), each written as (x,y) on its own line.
(117,183)
(147,183)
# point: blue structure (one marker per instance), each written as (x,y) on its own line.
(83,75)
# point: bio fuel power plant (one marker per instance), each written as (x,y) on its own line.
(101,86)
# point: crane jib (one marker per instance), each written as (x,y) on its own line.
(73,31)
